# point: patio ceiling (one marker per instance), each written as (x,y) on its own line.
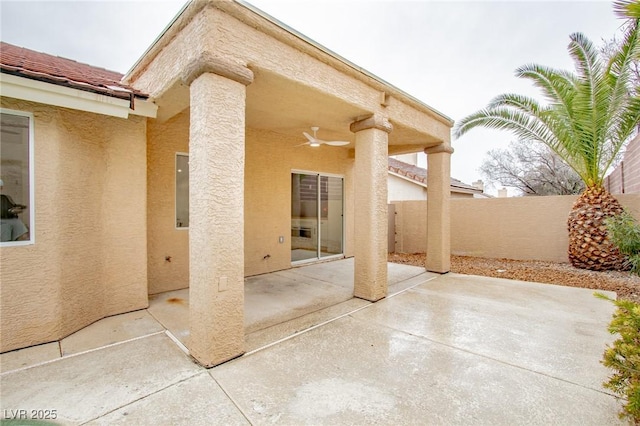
(277,104)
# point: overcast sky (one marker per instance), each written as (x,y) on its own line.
(452,55)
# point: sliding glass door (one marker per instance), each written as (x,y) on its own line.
(331,216)
(317,207)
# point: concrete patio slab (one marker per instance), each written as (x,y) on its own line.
(281,296)
(354,372)
(441,349)
(110,330)
(398,273)
(339,272)
(553,330)
(86,386)
(171,309)
(410,280)
(195,401)
(264,337)
(29,356)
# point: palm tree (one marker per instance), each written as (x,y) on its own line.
(586,119)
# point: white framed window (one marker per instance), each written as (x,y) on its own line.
(182,190)
(17,207)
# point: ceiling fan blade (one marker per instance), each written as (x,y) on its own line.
(308,136)
(336,143)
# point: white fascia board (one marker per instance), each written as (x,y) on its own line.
(12,86)
(144,107)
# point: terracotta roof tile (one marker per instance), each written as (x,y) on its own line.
(419,174)
(64,72)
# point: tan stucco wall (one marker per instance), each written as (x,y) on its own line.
(526,228)
(89,256)
(164,239)
(295,86)
(411,226)
(270,158)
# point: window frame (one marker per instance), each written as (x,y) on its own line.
(32,196)
(175,191)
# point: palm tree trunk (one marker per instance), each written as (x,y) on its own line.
(589,244)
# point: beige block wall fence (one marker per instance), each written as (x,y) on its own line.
(626,177)
(89,260)
(523,228)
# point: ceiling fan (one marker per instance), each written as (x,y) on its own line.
(315,142)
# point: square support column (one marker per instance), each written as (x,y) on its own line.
(439,209)
(216,211)
(371,166)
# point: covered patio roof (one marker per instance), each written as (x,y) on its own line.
(232,70)
(303,85)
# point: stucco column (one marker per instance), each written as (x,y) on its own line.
(439,208)
(216,209)
(370,275)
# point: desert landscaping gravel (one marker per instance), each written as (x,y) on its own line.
(626,285)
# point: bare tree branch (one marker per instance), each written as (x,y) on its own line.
(532,168)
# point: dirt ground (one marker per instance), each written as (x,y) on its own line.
(626,285)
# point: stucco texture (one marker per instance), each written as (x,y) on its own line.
(439,211)
(89,256)
(216,220)
(521,228)
(295,86)
(370,280)
(269,161)
(289,85)
(164,239)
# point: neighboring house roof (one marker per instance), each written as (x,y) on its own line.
(419,175)
(39,66)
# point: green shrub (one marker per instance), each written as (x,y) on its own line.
(624,356)
(624,232)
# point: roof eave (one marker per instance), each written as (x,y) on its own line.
(34,90)
(237,9)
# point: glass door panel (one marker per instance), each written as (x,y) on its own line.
(304,216)
(331,212)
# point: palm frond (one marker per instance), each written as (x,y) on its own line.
(559,88)
(547,117)
(588,115)
(555,84)
(627,8)
(526,126)
(591,94)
